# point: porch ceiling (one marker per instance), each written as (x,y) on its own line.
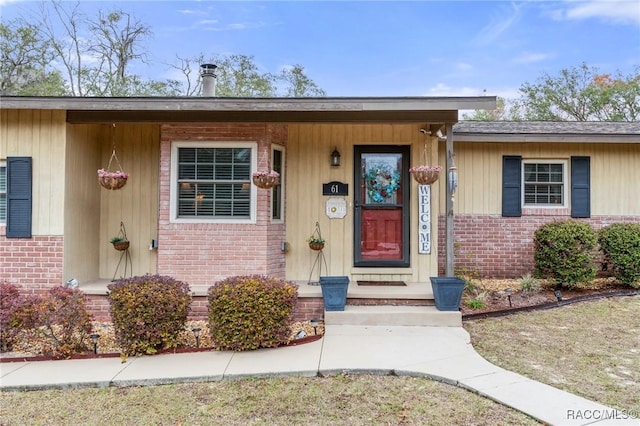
(402,109)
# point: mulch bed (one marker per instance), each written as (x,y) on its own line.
(90,355)
(497,303)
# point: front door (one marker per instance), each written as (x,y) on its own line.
(381,200)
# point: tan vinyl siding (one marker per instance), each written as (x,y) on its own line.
(40,135)
(615,174)
(136,204)
(82,203)
(308,167)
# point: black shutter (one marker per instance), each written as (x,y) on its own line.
(580,187)
(511,186)
(18,197)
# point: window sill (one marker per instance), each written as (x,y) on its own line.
(546,211)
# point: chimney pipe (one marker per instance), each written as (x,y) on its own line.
(208,74)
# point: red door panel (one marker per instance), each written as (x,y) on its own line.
(381,234)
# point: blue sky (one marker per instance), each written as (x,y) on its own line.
(413,48)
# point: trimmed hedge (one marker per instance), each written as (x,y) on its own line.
(148,312)
(565,252)
(620,245)
(251,312)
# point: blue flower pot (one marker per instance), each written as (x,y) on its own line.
(447,292)
(334,292)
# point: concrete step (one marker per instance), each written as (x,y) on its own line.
(385,315)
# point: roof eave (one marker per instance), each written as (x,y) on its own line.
(249,104)
(545,138)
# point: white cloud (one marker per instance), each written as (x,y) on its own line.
(529,58)
(441,89)
(464,66)
(208,22)
(499,25)
(617,11)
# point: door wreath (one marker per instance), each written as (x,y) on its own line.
(382,182)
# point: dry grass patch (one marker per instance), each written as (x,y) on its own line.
(591,349)
(353,400)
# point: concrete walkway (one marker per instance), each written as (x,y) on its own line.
(441,353)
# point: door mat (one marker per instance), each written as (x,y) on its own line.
(390,283)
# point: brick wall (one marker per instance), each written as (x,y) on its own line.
(201,254)
(305,309)
(502,247)
(33,263)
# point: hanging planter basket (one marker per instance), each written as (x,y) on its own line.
(121,245)
(425,175)
(266,180)
(120,242)
(316,245)
(315,241)
(112,179)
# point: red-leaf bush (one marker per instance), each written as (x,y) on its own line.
(11,302)
(148,312)
(251,312)
(60,321)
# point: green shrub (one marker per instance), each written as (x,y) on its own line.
(620,245)
(148,312)
(565,252)
(59,321)
(529,284)
(476,303)
(251,312)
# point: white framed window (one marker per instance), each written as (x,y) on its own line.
(211,182)
(277,192)
(544,183)
(3,191)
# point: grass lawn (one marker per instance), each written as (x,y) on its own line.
(591,349)
(353,400)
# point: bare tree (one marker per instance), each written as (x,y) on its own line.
(239,76)
(94,54)
(117,40)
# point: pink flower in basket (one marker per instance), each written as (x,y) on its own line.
(266,180)
(114,175)
(425,175)
(270,174)
(434,169)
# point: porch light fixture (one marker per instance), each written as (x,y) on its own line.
(558,295)
(94,339)
(335,157)
(196,334)
(314,324)
(508,292)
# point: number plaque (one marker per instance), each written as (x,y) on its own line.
(335,188)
